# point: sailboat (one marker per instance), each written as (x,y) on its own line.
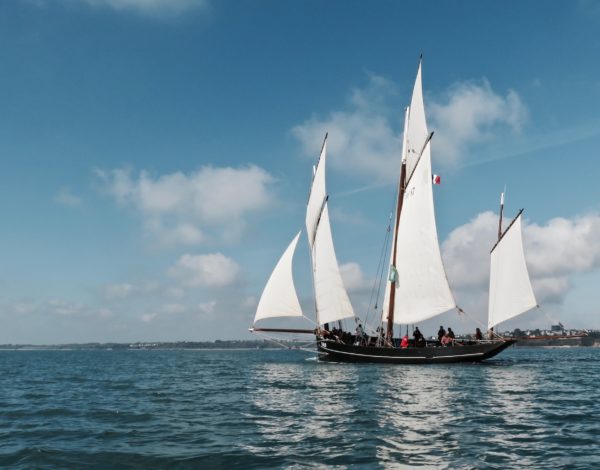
(418,288)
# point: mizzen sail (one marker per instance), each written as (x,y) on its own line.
(510,287)
(279,298)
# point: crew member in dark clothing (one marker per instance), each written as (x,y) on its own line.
(419,338)
(478,335)
(451,333)
(441,333)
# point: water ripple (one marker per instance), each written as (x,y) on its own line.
(537,408)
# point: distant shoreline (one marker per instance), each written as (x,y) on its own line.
(218,345)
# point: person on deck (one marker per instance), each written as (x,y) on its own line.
(360,334)
(419,338)
(446,340)
(404,343)
(451,333)
(478,335)
(441,333)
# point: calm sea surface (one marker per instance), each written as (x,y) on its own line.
(528,408)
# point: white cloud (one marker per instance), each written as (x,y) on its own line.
(118,291)
(156,8)
(207,307)
(365,139)
(361,139)
(24,308)
(148,317)
(126,290)
(212,270)
(65,197)
(554,252)
(64,308)
(353,277)
(466,251)
(470,113)
(189,209)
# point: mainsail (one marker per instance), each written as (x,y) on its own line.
(421,287)
(416,133)
(279,298)
(510,287)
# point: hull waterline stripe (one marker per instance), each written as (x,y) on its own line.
(399,357)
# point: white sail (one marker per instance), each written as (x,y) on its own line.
(416,133)
(422,289)
(279,298)
(317,196)
(510,287)
(330,294)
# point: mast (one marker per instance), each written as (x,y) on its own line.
(401,188)
(491,334)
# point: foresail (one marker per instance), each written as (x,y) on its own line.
(422,289)
(317,196)
(330,294)
(510,287)
(279,298)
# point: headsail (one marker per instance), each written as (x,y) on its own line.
(279,298)
(422,289)
(510,287)
(330,294)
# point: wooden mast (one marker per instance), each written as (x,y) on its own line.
(390,322)
(491,335)
(401,187)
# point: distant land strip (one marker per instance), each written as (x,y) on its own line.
(218,344)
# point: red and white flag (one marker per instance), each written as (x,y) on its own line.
(437,179)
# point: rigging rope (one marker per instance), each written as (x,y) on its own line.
(380,270)
(460,310)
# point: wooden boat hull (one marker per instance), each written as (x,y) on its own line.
(474,352)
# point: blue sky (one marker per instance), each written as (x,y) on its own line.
(156,155)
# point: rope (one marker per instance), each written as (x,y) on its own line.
(380,269)
(460,310)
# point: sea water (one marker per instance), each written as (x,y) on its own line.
(527,408)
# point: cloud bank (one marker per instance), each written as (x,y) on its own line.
(155,8)
(213,270)
(189,209)
(472,113)
(365,138)
(555,252)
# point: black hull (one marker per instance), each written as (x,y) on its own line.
(338,352)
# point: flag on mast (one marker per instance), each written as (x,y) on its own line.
(436,179)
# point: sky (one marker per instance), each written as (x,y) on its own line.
(156,155)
